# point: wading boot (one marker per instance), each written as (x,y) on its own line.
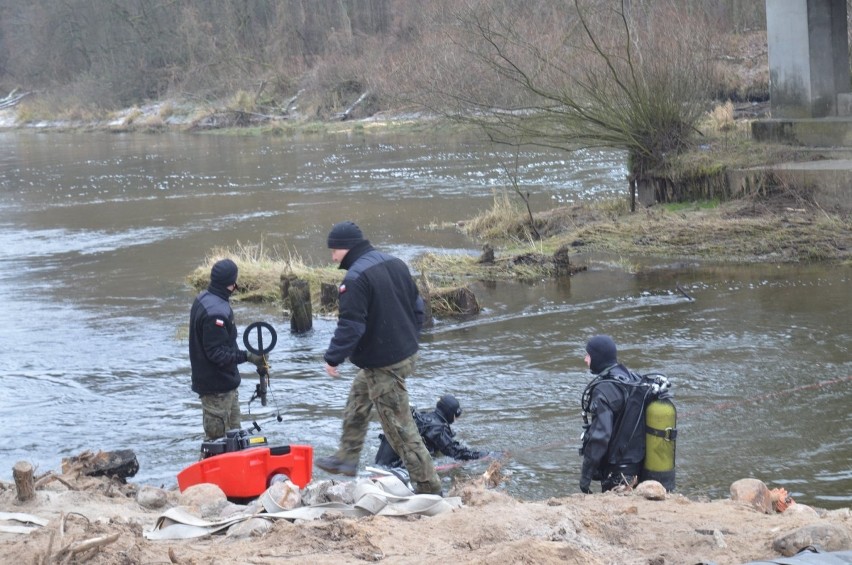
(428,488)
(335,466)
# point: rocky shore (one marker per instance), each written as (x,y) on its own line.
(80,519)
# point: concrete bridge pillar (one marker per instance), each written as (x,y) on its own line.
(808,58)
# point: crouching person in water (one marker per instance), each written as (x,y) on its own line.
(438,436)
(613,447)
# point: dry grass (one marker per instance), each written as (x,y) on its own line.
(261,269)
(722,116)
(782,226)
(759,230)
(504,219)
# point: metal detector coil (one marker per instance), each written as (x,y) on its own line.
(263,372)
(259,327)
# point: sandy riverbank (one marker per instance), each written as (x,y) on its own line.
(490,527)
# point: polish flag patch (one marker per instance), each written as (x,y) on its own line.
(342,289)
(220,323)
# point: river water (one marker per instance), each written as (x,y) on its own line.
(98,233)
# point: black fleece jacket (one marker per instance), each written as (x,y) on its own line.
(213,350)
(380,311)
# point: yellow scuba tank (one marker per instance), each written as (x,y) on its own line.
(660,436)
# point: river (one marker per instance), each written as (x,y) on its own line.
(98,233)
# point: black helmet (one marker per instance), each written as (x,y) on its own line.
(449,408)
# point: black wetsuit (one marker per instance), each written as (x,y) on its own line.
(437,436)
(614,444)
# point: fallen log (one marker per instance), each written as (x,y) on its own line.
(347,113)
(12,99)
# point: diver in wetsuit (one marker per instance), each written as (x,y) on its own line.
(438,436)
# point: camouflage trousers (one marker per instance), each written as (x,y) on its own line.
(220,413)
(384,388)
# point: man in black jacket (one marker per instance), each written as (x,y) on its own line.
(380,314)
(438,436)
(613,444)
(213,352)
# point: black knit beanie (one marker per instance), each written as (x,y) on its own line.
(344,235)
(603,353)
(223,274)
(449,407)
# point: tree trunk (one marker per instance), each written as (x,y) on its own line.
(329,296)
(301,315)
(22,472)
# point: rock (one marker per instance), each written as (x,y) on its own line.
(316,493)
(828,537)
(754,493)
(231,509)
(253,527)
(651,490)
(152,497)
(342,492)
(801,510)
(254,507)
(280,496)
(328,491)
(207,497)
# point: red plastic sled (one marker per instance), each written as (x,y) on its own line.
(246,473)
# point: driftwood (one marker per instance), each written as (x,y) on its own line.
(12,99)
(120,464)
(50,477)
(683,292)
(292,101)
(347,113)
(67,553)
(22,472)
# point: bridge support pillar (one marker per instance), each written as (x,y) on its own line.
(808,58)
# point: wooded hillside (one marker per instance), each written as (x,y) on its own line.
(116,53)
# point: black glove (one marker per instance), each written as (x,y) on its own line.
(258,360)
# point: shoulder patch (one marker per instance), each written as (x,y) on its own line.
(342,289)
(220,323)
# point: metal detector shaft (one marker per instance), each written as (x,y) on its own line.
(263,372)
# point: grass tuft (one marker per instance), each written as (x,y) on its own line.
(261,269)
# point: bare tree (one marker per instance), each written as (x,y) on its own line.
(618,74)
